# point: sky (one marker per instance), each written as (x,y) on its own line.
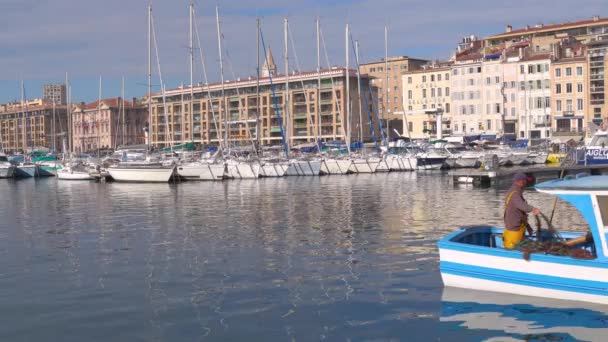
(42,40)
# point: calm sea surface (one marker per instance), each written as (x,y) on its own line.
(338,258)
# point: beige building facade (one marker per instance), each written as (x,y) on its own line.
(101,125)
(27,127)
(426,89)
(239,116)
(570,95)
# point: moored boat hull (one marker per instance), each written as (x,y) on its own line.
(141,175)
(26,171)
(336,166)
(67,174)
(7,172)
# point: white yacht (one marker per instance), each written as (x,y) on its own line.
(202,170)
(336,166)
(431,159)
(7,170)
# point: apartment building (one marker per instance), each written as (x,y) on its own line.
(101,124)
(55,92)
(534,96)
(570,96)
(32,125)
(467,101)
(234,112)
(597,62)
(425,89)
(542,36)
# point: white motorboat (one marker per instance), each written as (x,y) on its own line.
(333,166)
(74,172)
(202,170)
(402,162)
(7,170)
(26,170)
(432,159)
(142,172)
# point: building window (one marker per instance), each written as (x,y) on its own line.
(455,71)
(410,108)
(513,111)
(568,88)
(539,68)
(579,71)
(409,80)
(530,69)
(471,70)
(403,67)
(579,87)
(558,88)
(410,126)
(455,127)
(439,92)
(409,94)
(579,104)
(424,79)
(547,102)
(568,71)
(569,105)
(447,76)
(380,69)
(558,72)
(558,105)
(372,69)
(512,97)
(447,91)
(423,93)
(497,79)
(471,109)
(521,69)
(497,108)
(447,107)
(438,77)
(488,124)
(432,92)
(471,82)
(522,85)
(487,81)
(432,78)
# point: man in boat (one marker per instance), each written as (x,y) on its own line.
(516,212)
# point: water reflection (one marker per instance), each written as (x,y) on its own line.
(333,258)
(501,317)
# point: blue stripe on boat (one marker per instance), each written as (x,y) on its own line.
(527,279)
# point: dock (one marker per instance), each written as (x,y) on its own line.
(539,173)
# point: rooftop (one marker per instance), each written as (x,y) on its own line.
(549,28)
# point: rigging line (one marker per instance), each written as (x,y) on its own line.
(309,115)
(274,98)
(204,67)
(369,115)
(162,85)
(333,86)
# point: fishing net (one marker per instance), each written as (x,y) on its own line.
(549,241)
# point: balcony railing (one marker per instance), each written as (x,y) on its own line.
(568,131)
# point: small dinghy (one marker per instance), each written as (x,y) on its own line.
(572,267)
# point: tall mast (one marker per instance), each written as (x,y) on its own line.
(191,13)
(287,102)
(257,85)
(347,96)
(69,114)
(318,119)
(53,128)
(149,76)
(223,100)
(387,88)
(98,124)
(25,143)
(123,129)
(359,93)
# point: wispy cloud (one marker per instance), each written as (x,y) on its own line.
(42,39)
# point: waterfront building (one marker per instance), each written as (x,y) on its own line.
(426,89)
(569,86)
(597,61)
(231,110)
(467,87)
(54,92)
(534,95)
(543,36)
(32,125)
(101,125)
(387,78)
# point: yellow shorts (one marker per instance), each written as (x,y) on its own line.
(510,238)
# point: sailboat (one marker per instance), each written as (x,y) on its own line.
(24,167)
(7,169)
(150,169)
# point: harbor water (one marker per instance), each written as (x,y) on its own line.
(291,259)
